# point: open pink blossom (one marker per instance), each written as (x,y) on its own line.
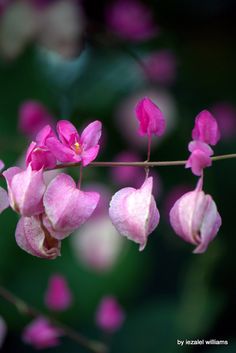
(32,237)
(134,213)
(200,157)
(194,217)
(25,190)
(206,128)
(109,316)
(41,334)
(75,148)
(131,20)
(66,214)
(150,117)
(58,296)
(4,200)
(33,116)
(38,154)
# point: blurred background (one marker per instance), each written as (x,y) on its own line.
(86,60)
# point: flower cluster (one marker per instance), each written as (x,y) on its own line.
(51,212)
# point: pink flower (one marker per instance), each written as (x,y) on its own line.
(33,116)
(131,20)
(109,316)
(41,334)
(66,214)
(150,117)
(134,213)
(75,148)
(206,128)
(200,157)
(4,200)
(38,154)
(25,190)
(32,237)
(58,295)
(194,217)
(161,66)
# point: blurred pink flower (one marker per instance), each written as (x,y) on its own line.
(225,114)
(131,20)
(194,217)
(134,213)
(109,316)
(161,66)
(206,128)
(3,331)
(41,334)
(33,116)
(58,296)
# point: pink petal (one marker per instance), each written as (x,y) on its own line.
(65,130)
(73,209)
(62,153)
(197,161)
(89,155)
(91,135)
(44,134)
(2,165)
(206,128)
(32,237)
(4,200)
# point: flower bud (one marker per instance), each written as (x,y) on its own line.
(25,189)
(66,214)
(110,315)
(200,157)
(206,128)
(134,213)
(194,217)
(32,237)
(58,295)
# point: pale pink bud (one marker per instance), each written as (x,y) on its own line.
(66,214)
(25,190)
(32,237)
(3,331)
(200,157)
(194,217)
(206,128)
(41,334)
(134,213)
(150,117)
(131,20)
(33,116)
(58,295)
(109,316)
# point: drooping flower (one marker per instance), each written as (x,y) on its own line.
(41,334)
(66,214)
(33,237)
(109,316)
(4,200)
(134,213)
(150,117)
(58,296)
(206,128)
(194,217)
(200,157)
(38,154)
(131,20)
(33,116)
(75,148)
(25,190)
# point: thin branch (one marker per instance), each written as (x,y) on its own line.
(26,309)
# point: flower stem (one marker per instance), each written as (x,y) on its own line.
(26,309)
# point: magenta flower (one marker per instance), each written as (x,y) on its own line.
(4,200)
(194,217)
(33,116)
(66,214)
(150,117)
(75,148)
(200,157)
(58,295)
(41,334)
(134,213)
(131,20)
(32,237)
(38,154)
(25,190)
(206,128)
(109,316)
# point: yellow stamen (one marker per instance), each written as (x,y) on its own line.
(77,147)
